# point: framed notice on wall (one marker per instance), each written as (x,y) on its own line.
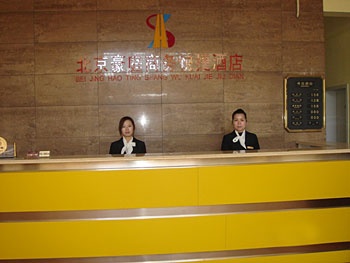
(304,104)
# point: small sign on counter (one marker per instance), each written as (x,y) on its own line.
(7,150)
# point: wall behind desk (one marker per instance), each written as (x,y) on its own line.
(44,107)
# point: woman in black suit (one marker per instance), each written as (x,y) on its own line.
(239,138)
(127,144)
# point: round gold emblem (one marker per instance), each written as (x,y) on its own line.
(3,145)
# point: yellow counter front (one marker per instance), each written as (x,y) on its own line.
(277,206)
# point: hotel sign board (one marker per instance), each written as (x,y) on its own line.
(304,104)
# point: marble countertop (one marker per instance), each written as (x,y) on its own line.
(167,160)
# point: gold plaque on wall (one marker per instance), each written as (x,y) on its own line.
(304,104)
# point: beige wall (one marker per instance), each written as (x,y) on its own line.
(43,108)
(337,50)
(336,6)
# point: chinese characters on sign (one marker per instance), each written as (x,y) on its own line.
(304,103)
(117,66)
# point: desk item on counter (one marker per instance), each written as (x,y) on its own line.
(7,150)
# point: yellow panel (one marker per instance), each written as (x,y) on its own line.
(288,228)
(273,182)
(79,190)
(322,257)
(173,235)
(111,238)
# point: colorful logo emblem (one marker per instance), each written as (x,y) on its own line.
(162,37)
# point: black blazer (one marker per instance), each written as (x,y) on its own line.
(117,146)
(251,142)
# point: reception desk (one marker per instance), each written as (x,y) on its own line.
(266,206)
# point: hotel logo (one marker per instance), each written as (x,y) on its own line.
(162,37)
